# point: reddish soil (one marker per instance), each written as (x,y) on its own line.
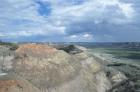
(37,49)
(5,85)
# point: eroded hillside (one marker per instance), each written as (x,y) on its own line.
(48,69)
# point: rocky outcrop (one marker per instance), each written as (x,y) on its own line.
(53,70)
(44,66)
(126,79)
(10,83)
(70,68)
(72,49)
(35,50)
(6,56)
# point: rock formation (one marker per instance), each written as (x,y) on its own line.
(53,70)
(43,68)
(13,83)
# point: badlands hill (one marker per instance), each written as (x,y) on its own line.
(43,68)
(57,71)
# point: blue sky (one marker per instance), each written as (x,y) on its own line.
(70,20)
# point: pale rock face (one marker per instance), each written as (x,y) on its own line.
(59,71)
(92,64)
(87,80)
(103,83)
(48,71)
(10,83)
(81,56)
(6,57)
(95,76)
(119,77)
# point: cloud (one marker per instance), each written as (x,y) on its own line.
(22,18)
(94,10)
(80,37)
(74,20)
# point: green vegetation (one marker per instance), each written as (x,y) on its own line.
(71,49)
(13,46)
(124,53)
(68,48)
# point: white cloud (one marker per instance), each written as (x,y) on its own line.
(62,16)
(80,37)
(88,36)
(127,10)
(67,14)
(20,10)
(73,36)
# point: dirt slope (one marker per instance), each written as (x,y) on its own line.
(53,70)
(13,83)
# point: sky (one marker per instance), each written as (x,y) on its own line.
(70,20)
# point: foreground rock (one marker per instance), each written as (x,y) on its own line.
(6,56)
(13,83)
(129,84)
(53,70)
(123,77)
